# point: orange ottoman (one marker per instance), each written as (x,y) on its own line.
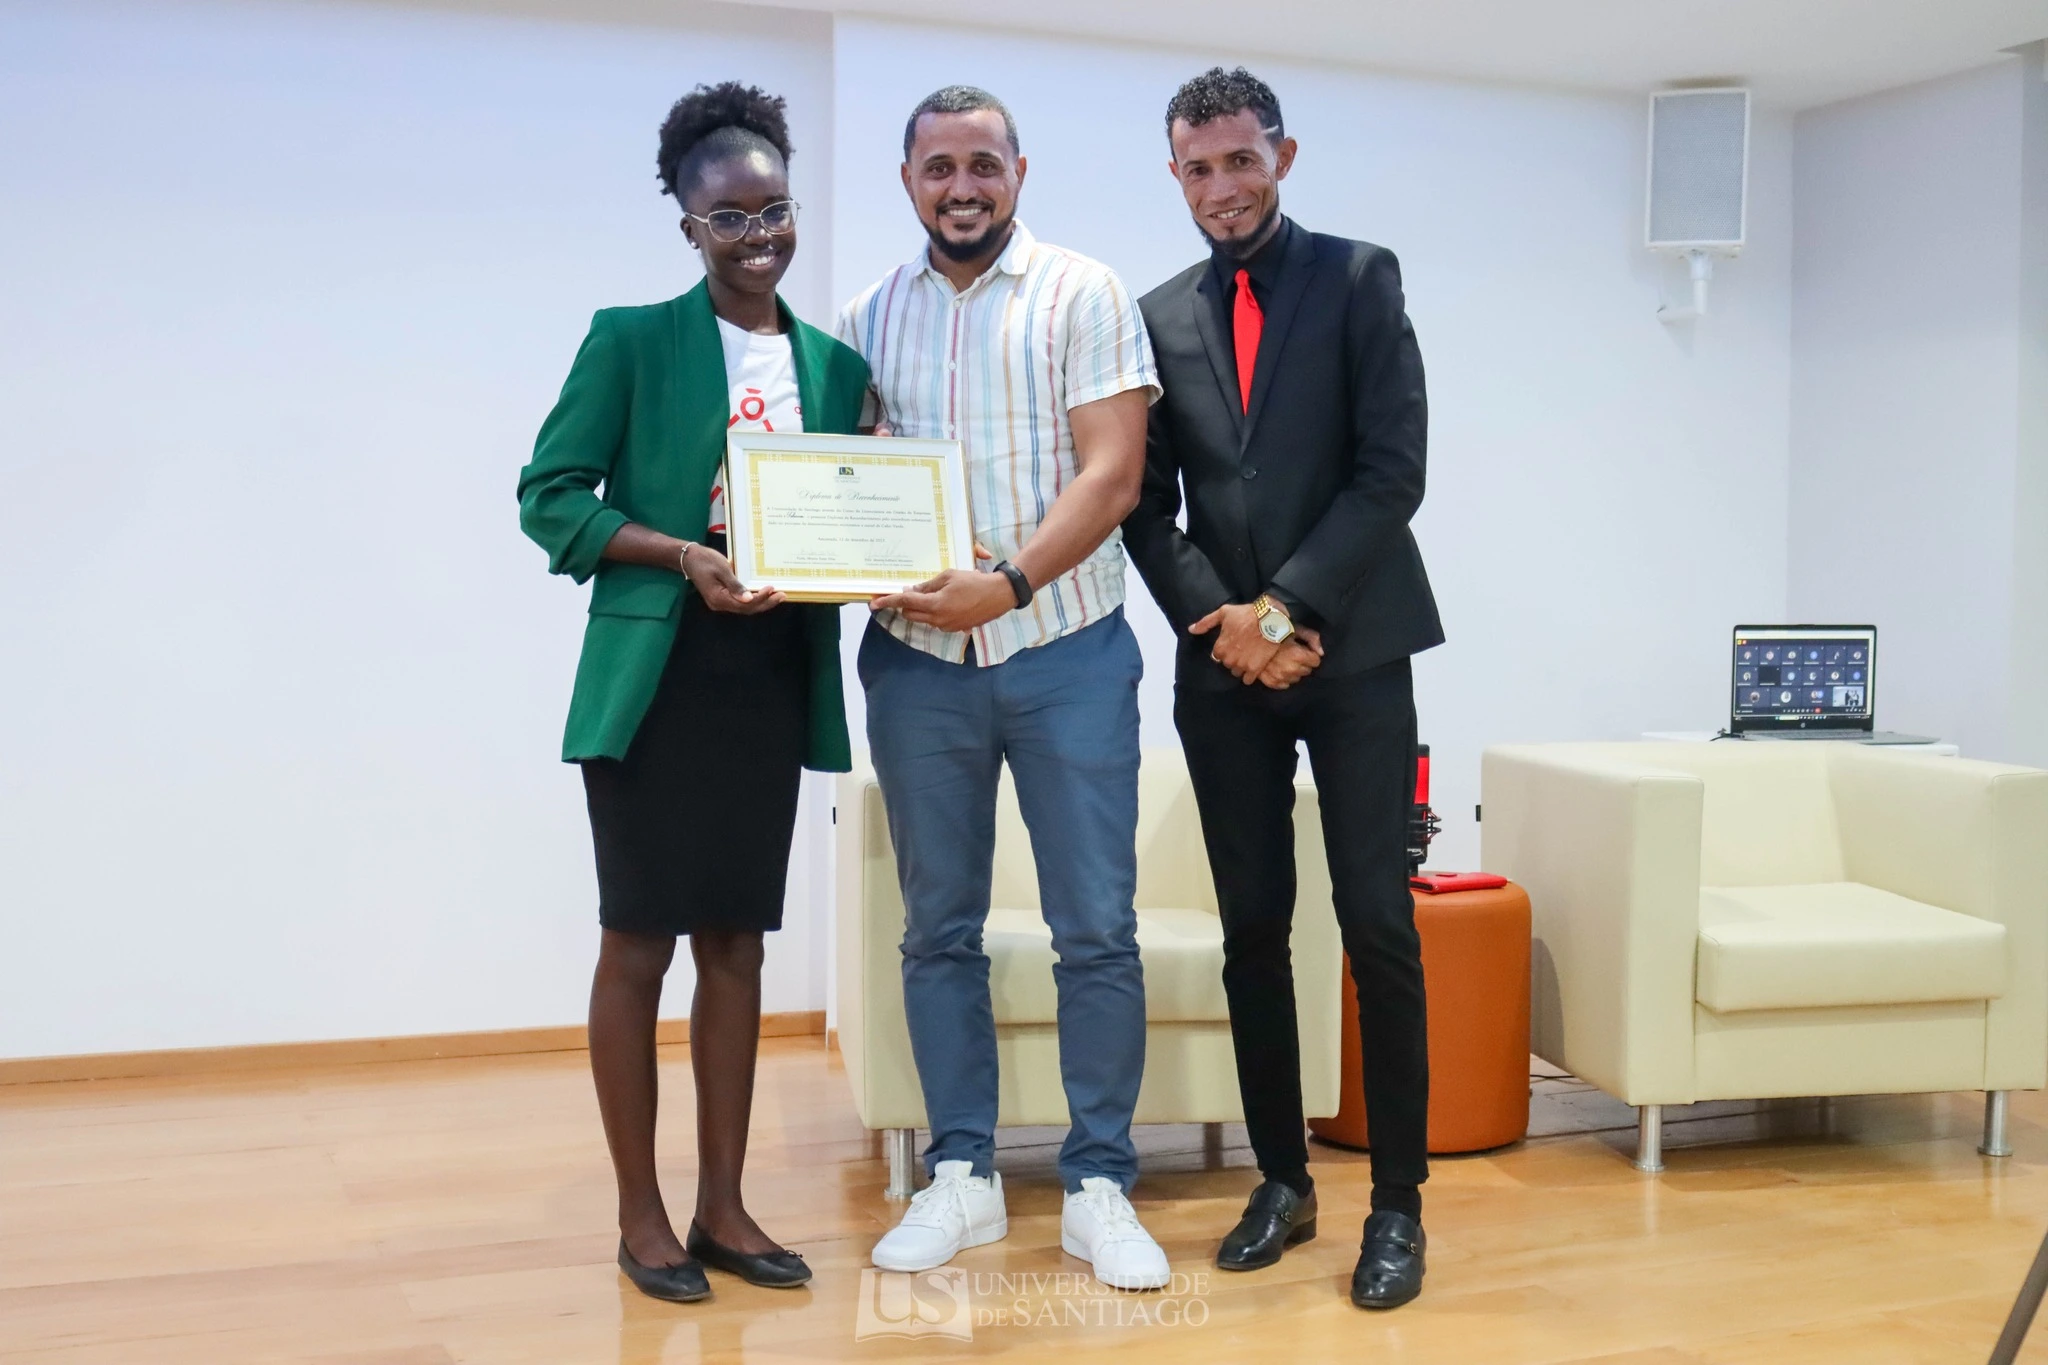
(1475,961)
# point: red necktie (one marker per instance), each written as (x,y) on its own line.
(1247,320)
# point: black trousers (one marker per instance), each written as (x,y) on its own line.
(1241,744)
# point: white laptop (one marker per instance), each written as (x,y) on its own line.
(1808,682)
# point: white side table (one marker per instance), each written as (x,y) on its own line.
(1938,747)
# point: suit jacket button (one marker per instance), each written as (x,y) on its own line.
(1251,473)
(1240,552)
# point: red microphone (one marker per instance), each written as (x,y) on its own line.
(1423,826)
(1422,822)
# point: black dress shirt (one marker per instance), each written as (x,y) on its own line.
(1265,268)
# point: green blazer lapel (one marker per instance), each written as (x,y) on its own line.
(703,395)
(810,366)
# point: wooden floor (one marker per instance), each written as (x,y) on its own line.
(427,1212)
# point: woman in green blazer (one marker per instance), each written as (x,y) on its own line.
(697,701)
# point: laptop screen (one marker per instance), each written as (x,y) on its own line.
(1804,677)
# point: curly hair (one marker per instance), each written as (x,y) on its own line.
(713,122)
(1217,93)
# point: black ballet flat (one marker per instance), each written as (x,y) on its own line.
(683,1283)
(766,1269)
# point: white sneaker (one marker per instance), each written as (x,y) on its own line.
(1100,1226)
(957,1210)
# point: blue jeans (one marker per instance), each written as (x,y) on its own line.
(1065,716)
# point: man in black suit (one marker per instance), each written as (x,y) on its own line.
(1294,419)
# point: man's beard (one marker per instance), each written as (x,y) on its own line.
(975,247)
(1238,248)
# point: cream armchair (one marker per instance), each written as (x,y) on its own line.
(1751,920)
(1190,1071)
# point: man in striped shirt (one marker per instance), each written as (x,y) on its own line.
(1035,359)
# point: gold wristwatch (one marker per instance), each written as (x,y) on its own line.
(1274,622)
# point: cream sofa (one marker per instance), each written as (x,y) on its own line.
(1746,920)
(1190,1071)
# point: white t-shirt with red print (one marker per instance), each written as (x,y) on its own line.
(762,376)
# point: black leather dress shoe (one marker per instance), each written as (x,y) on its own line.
(767,1269)
(1275,1219)
(1389,1271)
(684,1283)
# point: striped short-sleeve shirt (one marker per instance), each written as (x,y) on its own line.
(997,366)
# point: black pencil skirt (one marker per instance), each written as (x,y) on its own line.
(692,827)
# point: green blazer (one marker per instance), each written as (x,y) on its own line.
(643,413)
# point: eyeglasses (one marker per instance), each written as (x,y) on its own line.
(729,225)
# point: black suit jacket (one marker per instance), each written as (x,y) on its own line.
(1310,493)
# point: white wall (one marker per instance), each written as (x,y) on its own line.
(2027,723)
(1908,348)
(287,290)
(1607,495)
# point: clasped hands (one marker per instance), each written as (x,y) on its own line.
(960,599)
(1251,658)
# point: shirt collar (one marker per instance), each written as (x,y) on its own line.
(1265,264)
(1016,257)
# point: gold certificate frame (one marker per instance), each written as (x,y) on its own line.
(844,518)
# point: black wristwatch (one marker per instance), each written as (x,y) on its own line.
(1020,586)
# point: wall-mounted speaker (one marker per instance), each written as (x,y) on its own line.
(1699,170)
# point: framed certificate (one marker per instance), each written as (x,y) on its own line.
(844,518)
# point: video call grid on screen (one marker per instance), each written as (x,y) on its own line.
(1801,674)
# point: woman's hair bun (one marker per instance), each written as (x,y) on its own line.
(715,120)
